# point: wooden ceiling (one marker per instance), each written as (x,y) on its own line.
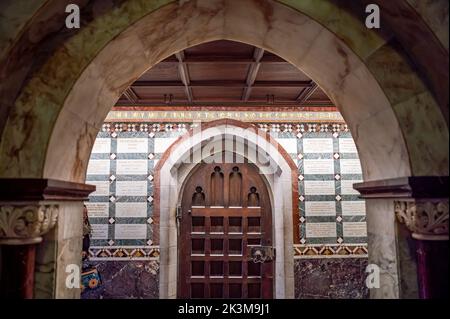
(224,73)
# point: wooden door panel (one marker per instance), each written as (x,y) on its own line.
(225,211)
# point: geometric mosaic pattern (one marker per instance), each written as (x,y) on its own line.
(300,251)
(330,209)
(127,252)
(330,251)
(125,154)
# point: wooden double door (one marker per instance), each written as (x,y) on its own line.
(225,215)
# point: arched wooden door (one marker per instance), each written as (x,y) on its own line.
(225,218)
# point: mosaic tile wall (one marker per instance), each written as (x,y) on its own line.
(332,217)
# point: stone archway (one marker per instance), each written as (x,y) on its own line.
(280,173)
(52,127)
(351,80)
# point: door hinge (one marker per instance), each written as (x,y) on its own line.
(178,213)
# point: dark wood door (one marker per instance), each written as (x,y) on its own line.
(225,212)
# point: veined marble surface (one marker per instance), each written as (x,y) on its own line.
(383,247)
(435,13)
(331,278)
(29,128)
(126,280)
(314,279)
(397,124)
(272,32)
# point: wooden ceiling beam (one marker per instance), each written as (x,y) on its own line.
(252,73)
(131,95)
(223,83)
(281,84)
(306,93)
(224,59)
(222,103)
(184,75)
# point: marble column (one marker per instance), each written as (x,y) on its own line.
(382,248)
(40,233)
(427,220)
(407,226)
(21,228)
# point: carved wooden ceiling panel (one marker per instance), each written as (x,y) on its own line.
(224,73)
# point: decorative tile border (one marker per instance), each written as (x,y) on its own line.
(330,251)
(110,253)
(300,128)
(245,116)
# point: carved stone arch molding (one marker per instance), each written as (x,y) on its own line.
(359,73)
(173,169)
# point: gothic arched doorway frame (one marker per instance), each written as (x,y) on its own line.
(280,174)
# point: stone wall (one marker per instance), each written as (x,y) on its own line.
(331,215)
(331,278)
(126,280)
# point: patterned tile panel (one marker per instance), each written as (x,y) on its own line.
(332,216)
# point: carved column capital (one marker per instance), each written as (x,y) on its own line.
(25,224)
(427,219)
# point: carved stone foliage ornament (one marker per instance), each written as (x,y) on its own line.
(427,220)
(25,224)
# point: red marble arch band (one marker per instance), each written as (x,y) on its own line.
(231,122)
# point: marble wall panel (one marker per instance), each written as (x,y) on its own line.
(337,278)
(126,280)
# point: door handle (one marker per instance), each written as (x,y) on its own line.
(261,254)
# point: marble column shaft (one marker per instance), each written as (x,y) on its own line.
(407,222)
(40,234)
(428,221)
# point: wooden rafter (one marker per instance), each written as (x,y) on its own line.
(131,95)
(252,73)
(222,83)
(306,93)
(222,77)
(237,103)
(184,75)
(205,59)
